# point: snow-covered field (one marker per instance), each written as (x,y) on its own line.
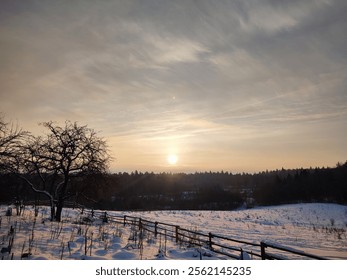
(319,229)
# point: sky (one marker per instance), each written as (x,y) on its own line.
(183,86)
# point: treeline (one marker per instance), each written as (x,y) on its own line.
(305,185)
(207,190)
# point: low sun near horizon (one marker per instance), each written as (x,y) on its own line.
(172,159)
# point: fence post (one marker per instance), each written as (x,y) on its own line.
(156,229)
(125,220)
(140,223)
(177,229)
(105,219)
(263,253)
(210,236)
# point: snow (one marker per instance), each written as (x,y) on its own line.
(316,228)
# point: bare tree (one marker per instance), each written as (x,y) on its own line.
(48,164)
(11,137)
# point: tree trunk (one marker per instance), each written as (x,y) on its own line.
(52,212)
(60,206)
(61,197)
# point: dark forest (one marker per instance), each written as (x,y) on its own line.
(200,191)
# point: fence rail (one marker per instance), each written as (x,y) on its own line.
(223,245)
(266,255)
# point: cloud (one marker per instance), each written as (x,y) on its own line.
(175,51)
(210,76)
(272,17)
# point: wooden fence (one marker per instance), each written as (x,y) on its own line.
(223,245)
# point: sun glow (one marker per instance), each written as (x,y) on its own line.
(172,159)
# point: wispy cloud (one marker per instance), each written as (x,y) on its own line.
(209,80)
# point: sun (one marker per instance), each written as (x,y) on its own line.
(172,159)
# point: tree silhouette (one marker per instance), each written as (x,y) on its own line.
(10,138)
(48,164)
